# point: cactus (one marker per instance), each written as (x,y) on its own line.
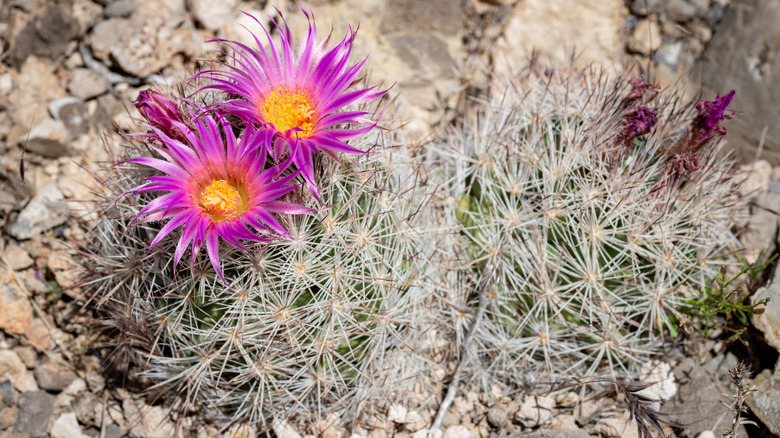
(299,324)
(591,208)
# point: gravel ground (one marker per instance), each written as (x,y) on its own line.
(70,70)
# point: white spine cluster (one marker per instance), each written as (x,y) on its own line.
(590,242)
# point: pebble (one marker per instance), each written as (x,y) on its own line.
(48,139)
(660,374)
(66,272)
(615,427)
(87,83)
(16,313)
(7,393)
(44,212)
(119,9)
(67,426)
(669,54)
(684,10)
(535,411)
(73,113)
(646,7)
(214,14)
(35,408)
(53,376)
(38,335)
(8,416)
(17,257)
(397,414)
(706,434)
(457,431)
(645,38)
(497,416)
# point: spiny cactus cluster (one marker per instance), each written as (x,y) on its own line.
(584,210)
(304,323)
(304,291)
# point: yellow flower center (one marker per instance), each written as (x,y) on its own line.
(221,200)
(287,109)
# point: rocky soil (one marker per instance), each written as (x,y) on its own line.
(69,70)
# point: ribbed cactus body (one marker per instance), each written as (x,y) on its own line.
(305,323)
(591,235)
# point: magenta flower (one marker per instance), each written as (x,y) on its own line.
(300,95)
(217,187)
(707,124)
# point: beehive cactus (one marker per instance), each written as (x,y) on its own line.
(311,268)
(298,324)
(587,209)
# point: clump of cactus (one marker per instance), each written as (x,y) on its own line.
(586,210)
(312,269)
(302,323)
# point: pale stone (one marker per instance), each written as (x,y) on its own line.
(16,313)
(616,427)
(535,411)
(645,38)
(397,414)
(13,368)
(38,334)
(284,430)
(660,374)
(67,426)
(554,30)
(17,257)
(214,14)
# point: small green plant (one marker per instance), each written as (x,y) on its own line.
(721,302)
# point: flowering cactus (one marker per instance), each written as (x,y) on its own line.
(299,310)
(587,210)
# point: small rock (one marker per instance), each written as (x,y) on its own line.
(17,257)
(148,421)
(35,408)
(48,139)
(7,393)
(12,367)
(567,400)
(8,416)
(44,212)
(768,321)
(462,406)
(645,38)
(73,113)
(85,406)
(564,422)
(706,434)
(684,10)
(214,14)
(32,95)
(535,411)
(38,335)
(397,414)
(28,355)
(16,313)
(757,176)
(119,9)
(53,376)
(669,54)
(87,83)
(615,427)
(66,272)
(765,402)
(67,426)
(646,7)
(457,431)
(497,416)
(588,408)
(659,373)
